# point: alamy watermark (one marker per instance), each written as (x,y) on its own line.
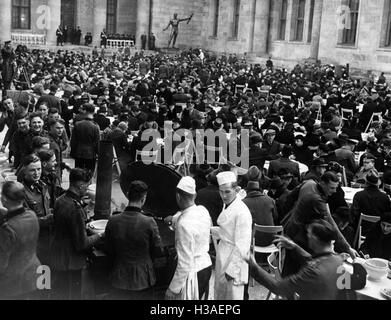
(196,146)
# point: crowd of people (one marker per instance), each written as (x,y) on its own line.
(306,116)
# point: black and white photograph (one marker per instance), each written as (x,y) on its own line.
(213,151)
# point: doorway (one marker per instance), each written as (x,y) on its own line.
(68,13)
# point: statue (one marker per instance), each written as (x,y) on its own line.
(174,23)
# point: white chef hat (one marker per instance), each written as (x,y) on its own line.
(226,177)
(188,185)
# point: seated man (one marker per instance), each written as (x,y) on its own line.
(377,243)
(368,166)
(318,278)
(371,201)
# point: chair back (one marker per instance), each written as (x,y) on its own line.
(359,239)
(346,113)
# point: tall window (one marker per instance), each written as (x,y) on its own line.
(311,22)
(21,14)
(111,23)
(216,18)
(298,12)
(386,25)
(349,32)
(282,24)
(235,25)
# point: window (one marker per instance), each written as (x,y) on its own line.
(311,22)
(21,14)
(282,25)
(347,36)
(386,25)
(216,18)
(235,25)
(111,17)
(298,14)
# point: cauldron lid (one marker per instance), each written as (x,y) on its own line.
(161,181)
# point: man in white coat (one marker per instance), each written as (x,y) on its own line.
(234,232)
(192,237)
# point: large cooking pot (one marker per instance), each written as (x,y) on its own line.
(161,180)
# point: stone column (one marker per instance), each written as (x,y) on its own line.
(55,21)
(261,26)
(100,20)
(317,23)
(5,21)
(142,24)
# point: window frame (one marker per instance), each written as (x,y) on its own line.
(282,20)
(236,19)
(18,7)
(216,18)
(111,15)
(346,36)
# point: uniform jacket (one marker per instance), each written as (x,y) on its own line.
(70,244)
(131,241)
(192,238)
(85,140)
(18,259)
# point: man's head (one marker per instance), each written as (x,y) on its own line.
(39,143)
(32,169)
(48,161)
(319,166)
(385,222)
(369,162)
(8,104)
(23,124)
(43,109)
(329,182)
(53,115)
(137,193)
(186,192)
(89,109)
(36,122)
(79,181)
(12,195)
(57,128)
(123,126)
(228,186)
(320,234)
(175,15)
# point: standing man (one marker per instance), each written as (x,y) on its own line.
(71,244)
(78,36)
(103,39)
(8,67)
(143,41)
(192,237)
(85,140)
(132,239)
(18,242)
(60,36)
(234,232)
(37,199)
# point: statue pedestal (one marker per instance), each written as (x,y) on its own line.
(170,50)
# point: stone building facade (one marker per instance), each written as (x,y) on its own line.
(357,32)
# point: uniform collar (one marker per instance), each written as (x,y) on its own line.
(14,213)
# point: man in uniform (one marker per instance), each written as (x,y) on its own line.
(37,199)
(18,242)
(8,67)
(71,244)
(103,39)
(60,36)
(234,232)
(192,237)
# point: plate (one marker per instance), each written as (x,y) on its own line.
(386,293)
(98,226)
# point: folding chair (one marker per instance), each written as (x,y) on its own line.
(267,249)
(346,114)
(239,87)
(359,239)
(375,114)
(274,269)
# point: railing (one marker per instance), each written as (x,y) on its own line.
(111,43)
(28,39)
